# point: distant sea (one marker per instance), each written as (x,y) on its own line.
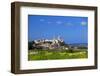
(78,44)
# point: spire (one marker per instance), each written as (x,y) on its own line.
(59,38)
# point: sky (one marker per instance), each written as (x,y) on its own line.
(71,29)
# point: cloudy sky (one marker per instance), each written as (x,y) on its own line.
(71,29)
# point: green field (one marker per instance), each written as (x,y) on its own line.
(51,55)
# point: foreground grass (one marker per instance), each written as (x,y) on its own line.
(51,55)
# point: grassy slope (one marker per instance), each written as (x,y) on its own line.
(49,55)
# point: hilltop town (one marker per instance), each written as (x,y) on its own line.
(55,43)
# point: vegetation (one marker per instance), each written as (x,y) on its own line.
(53,54)
(64,51)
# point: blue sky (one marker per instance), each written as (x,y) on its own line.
(71,29)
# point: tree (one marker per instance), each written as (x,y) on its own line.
(30,45)
(63,44)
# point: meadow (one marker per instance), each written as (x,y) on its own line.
(53,55)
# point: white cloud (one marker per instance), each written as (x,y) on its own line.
(83,23)
(42,20)
(49,22)
(59,22)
